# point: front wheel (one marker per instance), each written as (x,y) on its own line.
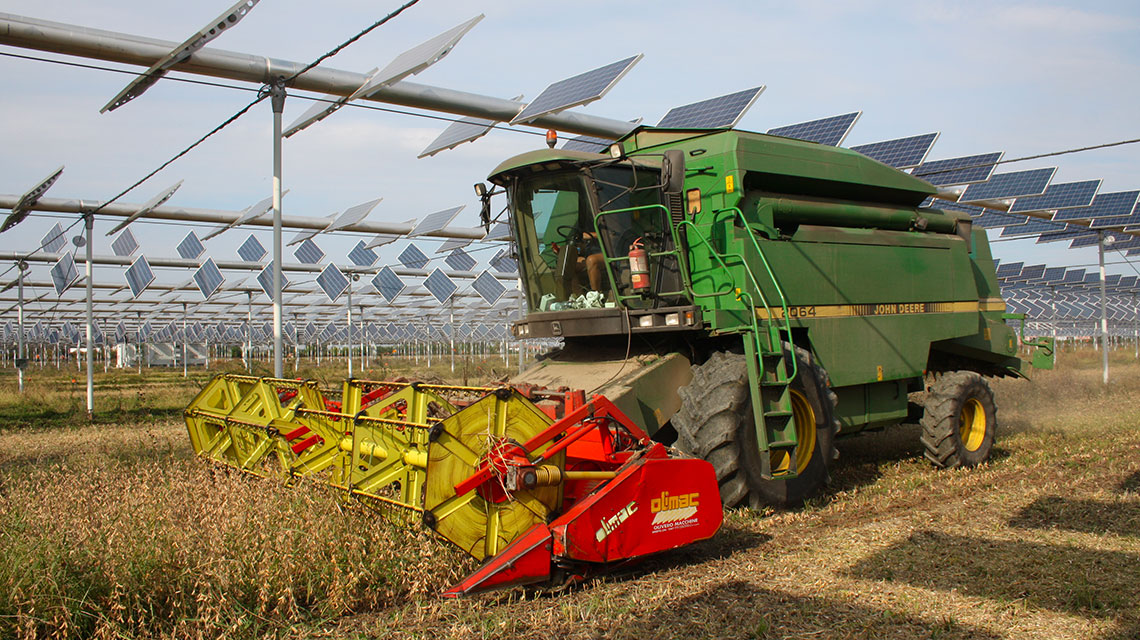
(959,421)
(715,422)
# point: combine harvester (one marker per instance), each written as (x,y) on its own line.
(745,298)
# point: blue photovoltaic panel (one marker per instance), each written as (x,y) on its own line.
(1009,269)
(435,221)
(251,250)
(1035,225)
(53,241)
(829,131)
(503,262)
(125,244)
(714,113)
(1010,185)
(1059,195)
(439,285)
(332,282)
(902,153)
(191,247)
(1132,242)
(453,243)
(489,287)
(208,278)
(1130,220)
(362,256)
(501,231)
(352,215)
(139,276)
(64,273)
(1104,205)
(992,219)
(949,205)
(1084,241)
(1071,232)
(265,279)
(963,170)
(1032,272)
(578,90)
(458,132)
(460,260)
(388,284)
(587,143)
(1053,274)
(309,252)
(412,258)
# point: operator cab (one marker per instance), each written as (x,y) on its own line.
(576,217)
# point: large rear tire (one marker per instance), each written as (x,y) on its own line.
(959,422)
(715,422)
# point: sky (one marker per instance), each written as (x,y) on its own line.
(1023,78)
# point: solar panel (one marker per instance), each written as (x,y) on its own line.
(309,252)
(1069,233)
(1104,205)
(500,231)
(332,282)
(1032,272)
(460,260)
(972,210)
(53,241)
(829,131)
(388,284)
(1061,195)
(720,112)
(503,262)
(1010,185)
(191,247)
(588,144)
(901,153)
(1053,274)
(1034,225)
(489,287)
(125,244)
(208,278)
(578,90)
(1113,222)
(251,250)
(451,244)
(419,57)
(265,279)
(64,273)
(458,132)
(439,285)
(147,207)
(1009,269)
(139,276)
(962,170)
(352,215)
(362,256)
(992,220)
(1128,243)
(412,258)
(435,221)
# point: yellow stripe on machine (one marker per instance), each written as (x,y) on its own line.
(881,309)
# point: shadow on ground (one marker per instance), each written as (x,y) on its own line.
(1084,516)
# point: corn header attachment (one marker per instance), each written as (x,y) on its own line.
(543,486)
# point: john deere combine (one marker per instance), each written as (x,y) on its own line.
(747,298)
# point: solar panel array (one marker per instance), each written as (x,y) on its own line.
(1104,205)
(829,131)
(577,90)
(1059,195)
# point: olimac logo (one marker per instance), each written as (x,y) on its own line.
(668,509)
(610,524)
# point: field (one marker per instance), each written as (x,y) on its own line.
(111,529)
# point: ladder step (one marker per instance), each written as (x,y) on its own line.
(773,383)
(782,444)
(777,414)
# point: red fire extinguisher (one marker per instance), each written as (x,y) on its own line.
(638,266)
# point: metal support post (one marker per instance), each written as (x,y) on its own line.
(1103,309)
(185,339)
(21,353)
(277,92)
(349,325)
(89,223)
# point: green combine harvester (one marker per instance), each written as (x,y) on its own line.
(753,299)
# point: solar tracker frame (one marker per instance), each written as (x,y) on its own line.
(54,240)
(251,250)
(191,247)
(412,258)
(64,273)
(434,222)
(1013,184)
(388,284)
(959,170)
(715,113)
(830,131)
(1059,195)
(900,153)
(440,286)
(460,260)
(333,282)
(488,287)
(208,278)
(309,252)
(139,276)
(576,90)
(362,256)
(125,244)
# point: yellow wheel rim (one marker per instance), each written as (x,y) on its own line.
(804,417)
(972,424)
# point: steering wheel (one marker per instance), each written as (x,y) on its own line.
(569,233)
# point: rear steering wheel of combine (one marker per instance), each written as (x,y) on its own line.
(715,422)
(959,421)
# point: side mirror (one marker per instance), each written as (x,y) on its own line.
(673,171)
